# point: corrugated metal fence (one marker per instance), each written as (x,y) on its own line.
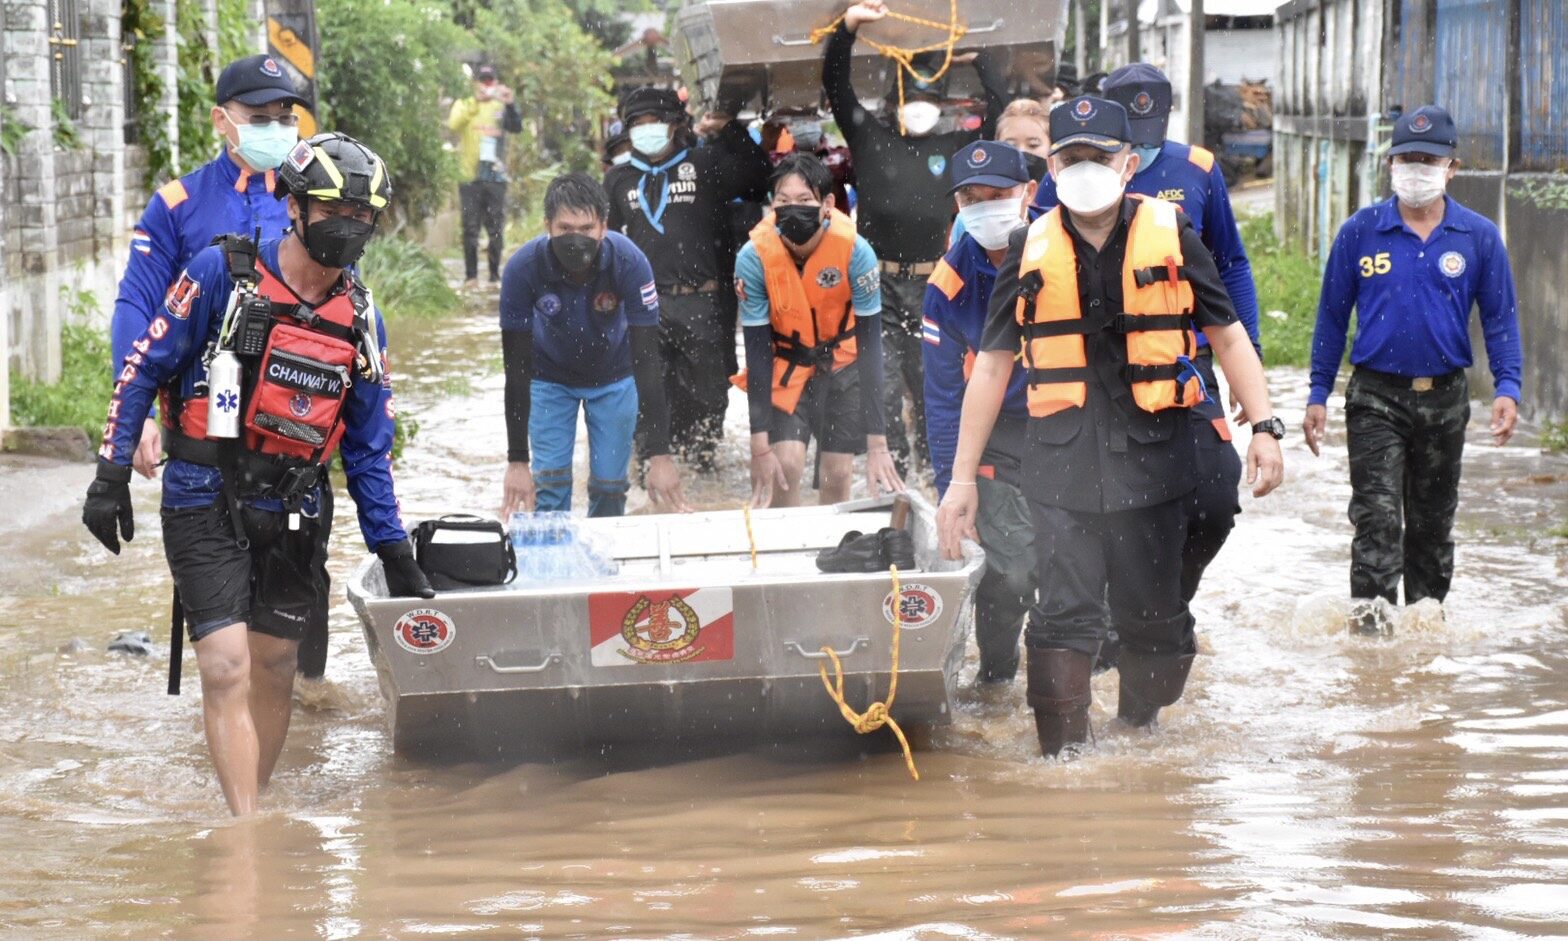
(1501,68)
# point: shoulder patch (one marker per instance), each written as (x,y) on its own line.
(173,193)
(1201,158)
(945,279)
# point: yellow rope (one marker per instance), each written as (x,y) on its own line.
(878,713)
(751,537)
(906,57)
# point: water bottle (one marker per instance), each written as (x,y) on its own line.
(521,530)
(223,395)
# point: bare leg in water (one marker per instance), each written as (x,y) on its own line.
(273,662)
(224,659)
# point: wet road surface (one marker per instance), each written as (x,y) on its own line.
(1311,785)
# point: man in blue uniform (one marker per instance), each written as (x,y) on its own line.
(1412,267)
(993,187)
(230,194)
(1190,177)
(580,329)
(240,512)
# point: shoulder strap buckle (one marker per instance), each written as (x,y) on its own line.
(239,252)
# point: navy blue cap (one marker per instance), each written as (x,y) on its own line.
(485,73)
(1426,130)
(1146,94)
(925,63)
(1086,119)
(989,163)
(256,81)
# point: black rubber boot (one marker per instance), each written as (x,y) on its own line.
(1149,682)
(1059,695)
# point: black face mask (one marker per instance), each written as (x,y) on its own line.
(798,223)
(576,252)
(1038,166)
(336,241)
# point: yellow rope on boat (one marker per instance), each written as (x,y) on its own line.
(878,713)
(906,57)
(751,537)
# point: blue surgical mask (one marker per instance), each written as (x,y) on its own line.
(264,147)
(1146,156)
(650,139)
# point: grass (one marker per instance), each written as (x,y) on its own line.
(1554,436)
(81,397)
(1288,286)
(406,280)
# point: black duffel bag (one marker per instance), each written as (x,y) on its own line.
(462,551)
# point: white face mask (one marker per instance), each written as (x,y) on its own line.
(920,117)
(619,159)
(1088,187)
(1419,184)
(992,221)
(650,139)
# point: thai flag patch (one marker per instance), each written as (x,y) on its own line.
(141,241)
(930,331)
(650,295)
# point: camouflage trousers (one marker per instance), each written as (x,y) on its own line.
(1405,452)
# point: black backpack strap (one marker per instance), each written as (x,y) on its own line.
(240,254)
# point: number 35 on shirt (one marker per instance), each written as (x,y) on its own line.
(1375,264)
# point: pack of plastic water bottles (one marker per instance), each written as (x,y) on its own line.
(552,547)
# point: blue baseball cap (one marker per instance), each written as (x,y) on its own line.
(1426,130)
(1086,119)
(256,81)
(988,163)
(1146,94)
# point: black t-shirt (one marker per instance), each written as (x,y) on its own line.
(1109,455)
(696,218)
(901,183)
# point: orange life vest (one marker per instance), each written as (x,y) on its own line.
(295,392)
(812,308)
(1156,318)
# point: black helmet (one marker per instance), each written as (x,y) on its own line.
(333,166)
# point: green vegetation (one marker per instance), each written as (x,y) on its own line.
(406,280)
(11,130)
(66,136)
(1288,285)
(1554,436)
(81,396)
(140,28)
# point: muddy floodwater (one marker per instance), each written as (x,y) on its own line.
(1311,785)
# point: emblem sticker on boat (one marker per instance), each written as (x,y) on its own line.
(682,626)
(919,606)
(424,631)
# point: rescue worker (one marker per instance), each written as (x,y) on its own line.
(617,150)
(806,137)
(580,330)
(1023,125)
(240,523)
(671,200)
(482,121)
(234,193)
(993,187)
(902,204)
(811,313)
(1190,177)
(1411,267)
(1101,297)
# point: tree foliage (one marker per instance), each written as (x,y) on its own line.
(386,64)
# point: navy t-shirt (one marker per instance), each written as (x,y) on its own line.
(580,331)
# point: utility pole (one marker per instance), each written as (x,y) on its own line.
(1080,37)
(1133,53)
(1196,33)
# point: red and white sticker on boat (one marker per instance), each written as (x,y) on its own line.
(919,606)
(684,626)
(424,631)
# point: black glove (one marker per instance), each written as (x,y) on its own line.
(404,576)
(109,503)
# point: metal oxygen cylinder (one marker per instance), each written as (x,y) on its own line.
(223,395)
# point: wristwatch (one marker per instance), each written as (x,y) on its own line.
(1270,426)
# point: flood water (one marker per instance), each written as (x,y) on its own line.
(1311,785)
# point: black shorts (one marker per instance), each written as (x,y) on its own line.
(829,410)
(272,587)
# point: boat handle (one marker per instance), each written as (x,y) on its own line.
(549,661)
(859,643)
(806,40)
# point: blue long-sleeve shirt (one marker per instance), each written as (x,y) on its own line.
(1413,298)
(169,353)
(958,296)
(1191,178)
(181,219)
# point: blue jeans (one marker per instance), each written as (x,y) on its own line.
(611,413)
